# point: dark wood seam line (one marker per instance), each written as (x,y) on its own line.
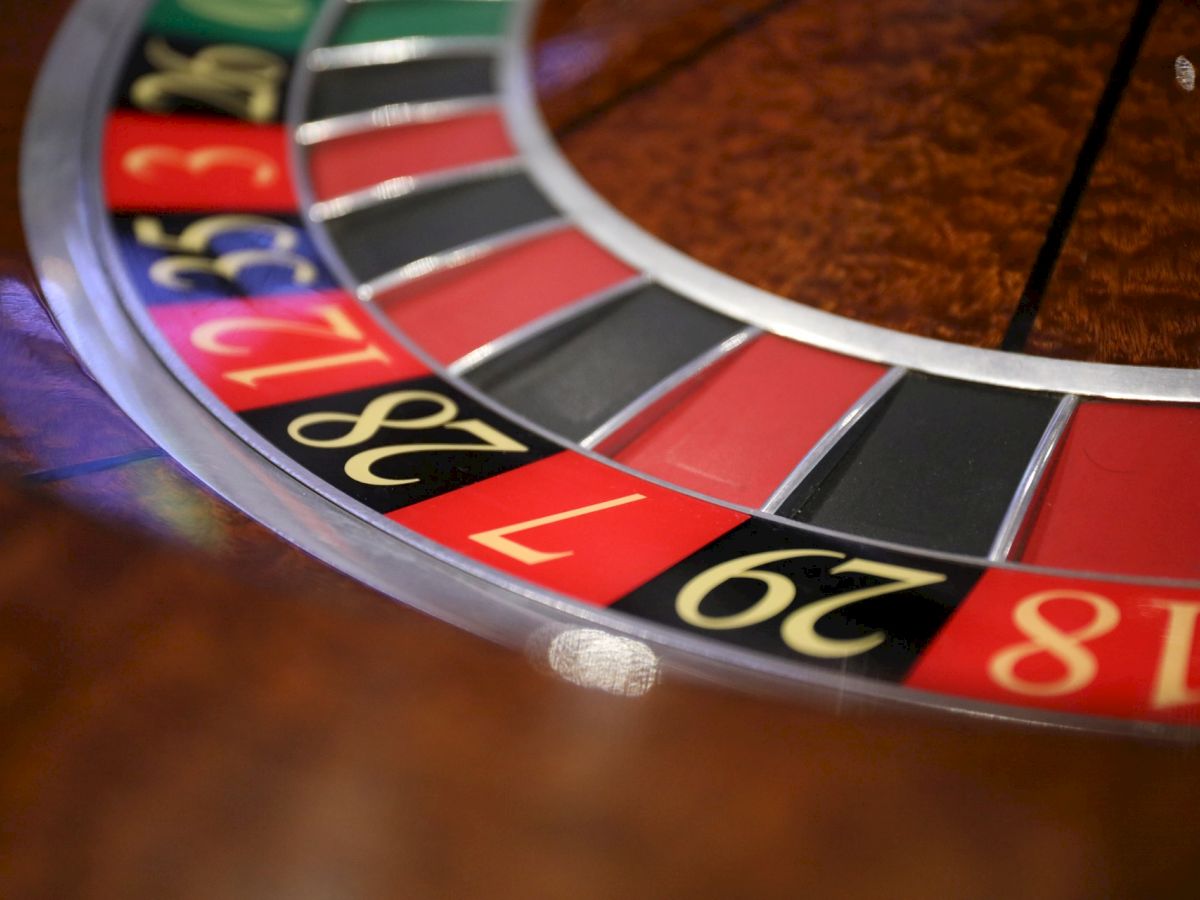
(1026,313)
(738,26)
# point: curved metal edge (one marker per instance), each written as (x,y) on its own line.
(555,175)
(60,229)
(510,60)
(63,247)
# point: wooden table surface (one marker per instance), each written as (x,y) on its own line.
(191,709)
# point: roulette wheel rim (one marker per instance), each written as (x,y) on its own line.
(705,284)
(92,301)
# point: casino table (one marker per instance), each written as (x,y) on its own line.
(970,269)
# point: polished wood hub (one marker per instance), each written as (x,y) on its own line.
(913,164)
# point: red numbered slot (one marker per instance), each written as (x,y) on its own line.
(453,313)
(1115,499)
(741,429)
(571,524)
(358,161)
(193,164)
(269,350)
(1071,645)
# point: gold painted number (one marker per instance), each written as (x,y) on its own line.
(498,538)
(378,414)
(1078,663)
(242,81)
(798,629)
(145,163)
(169,272)
(1179,641)
(198,237)
(211,337)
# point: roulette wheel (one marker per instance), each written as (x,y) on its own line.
(783,394)
(849,352)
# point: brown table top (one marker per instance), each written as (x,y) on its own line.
(191,708)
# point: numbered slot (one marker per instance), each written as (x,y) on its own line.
(381,20)
(379,241)
(342,92)
(460,312)
(739,431)
(193,163)
(359,161)
(174,258)
(577,377)
(397,444)
(278,25)
(1103,508)
(835,604)
(238,81)
(572,525)
(1072,644)
(934,464)
(259,352)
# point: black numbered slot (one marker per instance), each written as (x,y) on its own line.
(935,464)
(576,377)
(381,239)
(171,75)
(393,445)
(848,607)
(343,91)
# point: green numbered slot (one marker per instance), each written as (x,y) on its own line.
(380,21)
(279,25)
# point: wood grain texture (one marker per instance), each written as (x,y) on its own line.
(243,723)
(1127,287)
(590,54)
(895,162)
(169,730)
(23,42)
